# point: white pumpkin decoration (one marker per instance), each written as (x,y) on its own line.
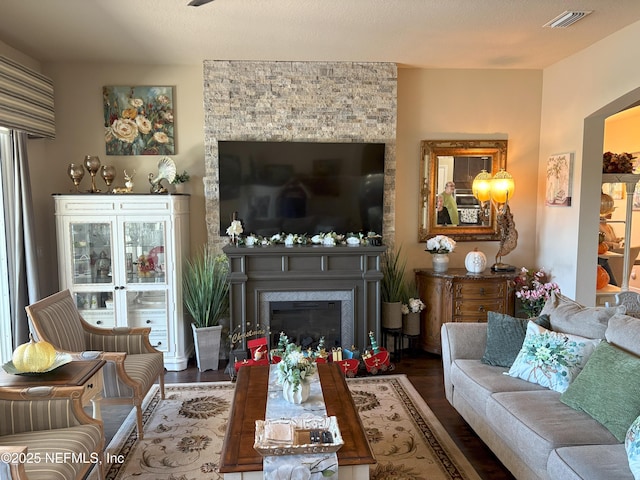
(475,261)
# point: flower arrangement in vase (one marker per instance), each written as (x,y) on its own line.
(234,230)
(411,316)
(533,289)
(440,247)
(440,244)
(414,305)
(294,371)
(617,162)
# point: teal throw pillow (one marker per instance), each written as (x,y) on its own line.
(505,335)
(551,359)
(632,445)
(608,389)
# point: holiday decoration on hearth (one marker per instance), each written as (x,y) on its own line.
(374,344)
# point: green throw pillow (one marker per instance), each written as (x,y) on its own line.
(505,335)
(608,389)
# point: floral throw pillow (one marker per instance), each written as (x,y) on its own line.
(551,359)
(632,444)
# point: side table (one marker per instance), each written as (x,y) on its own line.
(87,373)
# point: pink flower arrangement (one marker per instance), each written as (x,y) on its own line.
(533,288)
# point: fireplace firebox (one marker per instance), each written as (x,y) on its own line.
(306,322)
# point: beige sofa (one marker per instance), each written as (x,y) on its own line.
(530,430)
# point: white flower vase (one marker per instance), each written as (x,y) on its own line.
(440,262)
(299,396)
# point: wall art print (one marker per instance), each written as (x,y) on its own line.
(138,120)
(559,173)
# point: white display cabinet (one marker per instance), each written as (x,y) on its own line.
(121,257)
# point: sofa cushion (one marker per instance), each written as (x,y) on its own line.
(534,423)
(624,332)
(551,359)
(608,389)
(595,462)
(632,446)
(505,335)
(477,381)
(568,316)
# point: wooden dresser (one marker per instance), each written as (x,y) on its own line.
(459,296)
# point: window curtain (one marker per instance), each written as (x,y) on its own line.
(26,100)
(20,232)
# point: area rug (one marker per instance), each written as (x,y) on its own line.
(183,434)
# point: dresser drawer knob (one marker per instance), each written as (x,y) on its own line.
(90,385)
(148,322)
(481,308)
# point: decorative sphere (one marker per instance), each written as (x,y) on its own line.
(475,261)
(606,204)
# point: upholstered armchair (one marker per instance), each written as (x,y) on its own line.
(45,432)
(133,365)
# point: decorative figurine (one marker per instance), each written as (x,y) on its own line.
(128,184)
(374,344)
(166,171)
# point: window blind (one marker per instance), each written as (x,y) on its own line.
(26,100)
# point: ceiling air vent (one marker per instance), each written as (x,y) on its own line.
(567,18)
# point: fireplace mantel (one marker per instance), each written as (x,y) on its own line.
(259,272)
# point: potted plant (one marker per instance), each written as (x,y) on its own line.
(393,289)
(205,286)
(179,181)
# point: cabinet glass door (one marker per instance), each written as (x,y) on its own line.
(91,253)
(144,252)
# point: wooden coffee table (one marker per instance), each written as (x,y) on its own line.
(240,461)
(87,373)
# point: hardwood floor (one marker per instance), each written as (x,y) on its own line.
(425,373)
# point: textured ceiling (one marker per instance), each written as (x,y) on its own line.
(421,33)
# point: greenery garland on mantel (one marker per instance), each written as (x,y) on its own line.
(326,239)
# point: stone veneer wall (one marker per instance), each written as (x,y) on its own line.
(298,101)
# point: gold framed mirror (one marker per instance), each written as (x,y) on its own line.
(447,204)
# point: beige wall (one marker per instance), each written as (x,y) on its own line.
(432,104)
(540,113)
(578,94)
(468,104)
(79,132)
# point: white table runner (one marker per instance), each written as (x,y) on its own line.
(297,467)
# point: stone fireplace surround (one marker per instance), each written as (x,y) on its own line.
(260,275)
(298,101)
(301,101)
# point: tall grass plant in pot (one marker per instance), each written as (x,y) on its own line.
(393,288)
(205,285)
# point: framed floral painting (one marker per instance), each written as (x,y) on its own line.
(558,193)
(138,120)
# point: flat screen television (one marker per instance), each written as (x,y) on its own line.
(301,187)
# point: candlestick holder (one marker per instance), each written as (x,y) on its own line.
(92,164)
